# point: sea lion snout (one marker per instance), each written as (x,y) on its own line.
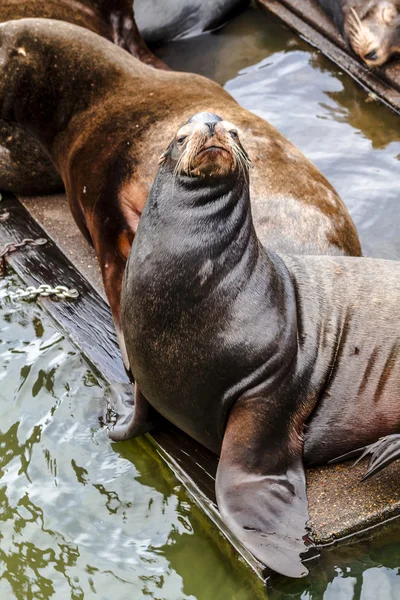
(207,146)
(374,34)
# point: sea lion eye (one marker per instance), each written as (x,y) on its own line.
(181,139)
(234,134)
(371,55)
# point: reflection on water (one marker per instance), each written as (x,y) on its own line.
(80,517)
(83,518)
(355,142)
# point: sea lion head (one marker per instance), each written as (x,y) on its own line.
(373,30)
(207,146)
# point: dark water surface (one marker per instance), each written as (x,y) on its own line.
(83,518)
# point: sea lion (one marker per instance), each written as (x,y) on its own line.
(104,121)
(370,27)
(255,355)
(160,22)
(25,168)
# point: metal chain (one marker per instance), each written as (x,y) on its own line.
(13,246)
(44,290)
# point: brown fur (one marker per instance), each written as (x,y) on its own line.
(107,120)
(24,166)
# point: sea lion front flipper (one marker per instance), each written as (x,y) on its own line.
(135,416)
(260,485)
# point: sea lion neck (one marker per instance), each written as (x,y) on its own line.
(200,190)
(210,216)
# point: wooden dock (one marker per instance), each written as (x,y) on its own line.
(307,19)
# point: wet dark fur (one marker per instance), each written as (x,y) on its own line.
(160,21)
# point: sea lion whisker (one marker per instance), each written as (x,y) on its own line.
(237,156)
(242,165)
(242,157)
(362,39)
(177,170)
(356,18)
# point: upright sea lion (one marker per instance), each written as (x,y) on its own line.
(106,117)
(24,166)
(253,354)
(371,27)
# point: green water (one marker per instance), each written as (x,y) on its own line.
(80,517)
(83,518)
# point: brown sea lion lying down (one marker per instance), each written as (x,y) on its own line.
(103,118)
(24,166)
(262,358)
(371,27)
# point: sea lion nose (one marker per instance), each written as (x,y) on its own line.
(371,55)
(211,127)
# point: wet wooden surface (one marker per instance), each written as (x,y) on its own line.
(311,23)
(339,503)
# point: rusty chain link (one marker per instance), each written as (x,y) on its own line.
(13,246)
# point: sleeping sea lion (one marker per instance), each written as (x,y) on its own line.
(371,27)
(160,22)
(260,357)
(25,168)
(103,122)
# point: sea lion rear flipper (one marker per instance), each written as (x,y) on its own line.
(135,416)
(383,452)
(260,485)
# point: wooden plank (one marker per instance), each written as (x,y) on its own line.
(88,323)
(87,319)
(310,22)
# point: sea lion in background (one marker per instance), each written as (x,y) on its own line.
(108,116)
(24,166)
(241,348)
(370,27)
(160,22)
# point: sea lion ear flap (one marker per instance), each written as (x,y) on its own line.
(260,485)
